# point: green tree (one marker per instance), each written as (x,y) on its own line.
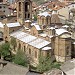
(13,43)
(5,49)
(44,64)
(21,59)
(35,18)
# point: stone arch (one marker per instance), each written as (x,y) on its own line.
(27,6)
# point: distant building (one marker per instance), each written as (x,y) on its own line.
(11,1)
(4,8)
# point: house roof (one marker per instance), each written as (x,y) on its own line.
(43,35)
(44,14)
(60,31)
(51,28)
(13,24)
(54,71)
(27,21)
(46,48)
(37,27)
(68,67)
(65,26)
(13,69)
(32,24)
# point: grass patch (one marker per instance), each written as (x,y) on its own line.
(56,65)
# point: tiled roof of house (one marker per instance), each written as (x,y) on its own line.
(52,5)
(54,72)
(68,67)
(13,69)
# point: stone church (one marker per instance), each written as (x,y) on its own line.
(39,38)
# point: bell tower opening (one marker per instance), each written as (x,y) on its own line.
(24,11)
(27,10)
(27,6)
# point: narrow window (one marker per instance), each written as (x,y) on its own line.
(43,21)
(47,20)
(35,54)
(19,46)
(28,15)
(24,48)
(19,6)
(67,51)
(29,51)
(0,7)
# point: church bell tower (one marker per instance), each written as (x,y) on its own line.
(24,10)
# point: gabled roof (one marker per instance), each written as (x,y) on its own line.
(16,24)
(29,39)
(37,27)
(44,14)
(60,31)
(13,69)
(46,48)
(68,67)
(65,26)
(39,43)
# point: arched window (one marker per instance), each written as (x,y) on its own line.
(43,21)
(28,15)
(48,54)
(27,6)
(19,46)
(35,54)
(67,50)
(47,20)
(25,15)
(24,48)
(19,6)
(29,51)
